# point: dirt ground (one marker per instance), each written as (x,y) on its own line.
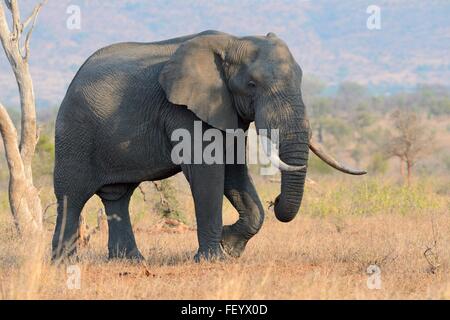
(317,256)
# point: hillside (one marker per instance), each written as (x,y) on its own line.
(412,46)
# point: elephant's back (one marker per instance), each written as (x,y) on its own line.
(115,82)
(120,75)
(117,87)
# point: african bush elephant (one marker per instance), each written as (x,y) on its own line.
(114,129)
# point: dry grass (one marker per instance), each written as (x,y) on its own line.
(344,226)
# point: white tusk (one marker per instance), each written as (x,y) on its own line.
(272,154)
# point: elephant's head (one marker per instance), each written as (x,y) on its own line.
(227,80)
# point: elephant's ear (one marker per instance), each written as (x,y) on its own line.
(194,77)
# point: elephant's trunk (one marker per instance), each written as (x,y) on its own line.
(293,131)
(295,153)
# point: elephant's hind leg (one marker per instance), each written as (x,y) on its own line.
(241,192)
(121,241)
(64,243)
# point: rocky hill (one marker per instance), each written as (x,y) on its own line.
(330,38)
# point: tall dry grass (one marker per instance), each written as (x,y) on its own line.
(344,226)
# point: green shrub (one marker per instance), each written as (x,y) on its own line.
(315,165)
(373,196)
(378,164)
(446,161)
(44,157)
(168,206)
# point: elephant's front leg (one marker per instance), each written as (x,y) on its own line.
(207,182)
(241,192)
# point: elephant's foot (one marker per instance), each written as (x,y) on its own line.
(211,254)
(233,242)
(129,254)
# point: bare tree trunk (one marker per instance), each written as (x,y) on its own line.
(320,133)
(402,169)
(23,196)
(409,172)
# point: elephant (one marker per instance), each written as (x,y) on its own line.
(114,127)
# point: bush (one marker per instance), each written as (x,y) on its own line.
(446,160)
(339,129)
(373,196)
(315,165)
(378,164)
(168,206)
(44,157)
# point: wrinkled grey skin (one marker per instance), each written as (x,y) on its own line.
(114,126)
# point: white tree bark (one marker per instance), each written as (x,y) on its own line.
(23,196)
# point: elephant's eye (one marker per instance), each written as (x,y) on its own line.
(252,84)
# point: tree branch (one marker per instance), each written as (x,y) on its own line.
(19,64)
(33,15)
(4,29)
(28,132)
(9,134)
(32,18)
(6,38)
(13,6)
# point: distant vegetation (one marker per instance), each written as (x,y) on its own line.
(360,126)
